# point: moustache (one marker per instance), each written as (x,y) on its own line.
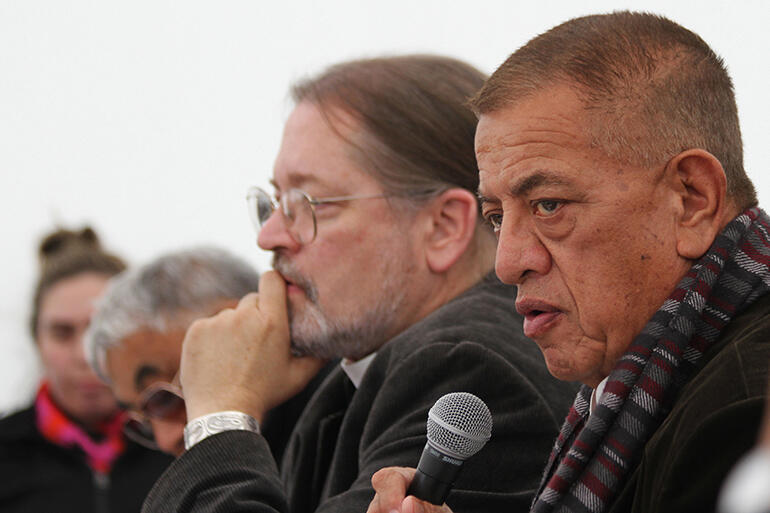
(290,273)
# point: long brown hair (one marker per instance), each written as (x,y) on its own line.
(417,132)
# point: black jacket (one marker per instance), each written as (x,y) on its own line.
(713,422)
(38,476)
(472,344)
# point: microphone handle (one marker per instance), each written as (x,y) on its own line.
(436,473)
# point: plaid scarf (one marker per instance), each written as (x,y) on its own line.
(593,455)
(57,428)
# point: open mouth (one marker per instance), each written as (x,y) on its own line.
(539,317)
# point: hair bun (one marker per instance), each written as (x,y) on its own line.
(64,241)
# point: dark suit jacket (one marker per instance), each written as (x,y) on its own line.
(472,344)
(712,424)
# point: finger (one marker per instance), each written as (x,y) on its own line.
(272,295)
(390,484)
(250,300)
(176,380)
(375,507)
(304,368)
(414,505)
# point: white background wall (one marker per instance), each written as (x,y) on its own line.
(149,119)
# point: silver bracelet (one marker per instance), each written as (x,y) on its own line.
(203,427)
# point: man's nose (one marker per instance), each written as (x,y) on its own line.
(274,234)
(520,252)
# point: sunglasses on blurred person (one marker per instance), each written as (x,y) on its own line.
(160,401)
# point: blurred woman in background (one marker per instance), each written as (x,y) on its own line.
(67,452)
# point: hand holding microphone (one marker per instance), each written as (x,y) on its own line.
(459,425)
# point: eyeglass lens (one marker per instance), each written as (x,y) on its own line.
(161,404)
(140,431)
(297,212)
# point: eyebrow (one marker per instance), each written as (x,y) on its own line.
(537,179)
(298,179)
(527,183)
(482,198)
(144,372)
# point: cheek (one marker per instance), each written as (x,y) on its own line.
(335,262)
(120,375)
(558,228)
(604,274)
(51,353)
(618,285)
(57,361)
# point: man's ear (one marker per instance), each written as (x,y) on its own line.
(702,187)
(451,223)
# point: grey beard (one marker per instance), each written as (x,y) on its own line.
(353,335)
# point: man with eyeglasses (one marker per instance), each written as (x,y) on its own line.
(134,341)
(382,260)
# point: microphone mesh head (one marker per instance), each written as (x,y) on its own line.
(459,424)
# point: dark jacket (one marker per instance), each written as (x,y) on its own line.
(38,476)
(472,344)
(713,422)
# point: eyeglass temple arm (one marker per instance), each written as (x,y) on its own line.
(334,199)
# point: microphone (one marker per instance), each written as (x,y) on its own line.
(459,425)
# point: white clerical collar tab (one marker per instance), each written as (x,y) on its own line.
(356,370)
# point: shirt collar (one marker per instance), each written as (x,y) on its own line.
(597,393)
(356,370)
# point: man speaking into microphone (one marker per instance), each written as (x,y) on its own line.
(382,260)
(611,167)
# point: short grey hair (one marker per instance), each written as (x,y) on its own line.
(167,293)
(651,88)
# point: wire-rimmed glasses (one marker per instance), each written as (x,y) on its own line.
(297,208)
(161,401)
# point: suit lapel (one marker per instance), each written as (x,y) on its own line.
(309,455)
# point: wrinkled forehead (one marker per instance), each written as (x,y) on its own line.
(538,136)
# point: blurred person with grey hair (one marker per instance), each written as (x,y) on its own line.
(134,341)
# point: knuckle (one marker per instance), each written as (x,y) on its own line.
(377,478)
(196,328)
(381,478)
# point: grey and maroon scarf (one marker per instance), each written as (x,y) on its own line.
(593,456)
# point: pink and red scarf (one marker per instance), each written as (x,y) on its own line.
(59,429)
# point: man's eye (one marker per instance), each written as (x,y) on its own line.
(495,221)
(547,207)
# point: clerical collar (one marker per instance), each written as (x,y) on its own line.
(356,370)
